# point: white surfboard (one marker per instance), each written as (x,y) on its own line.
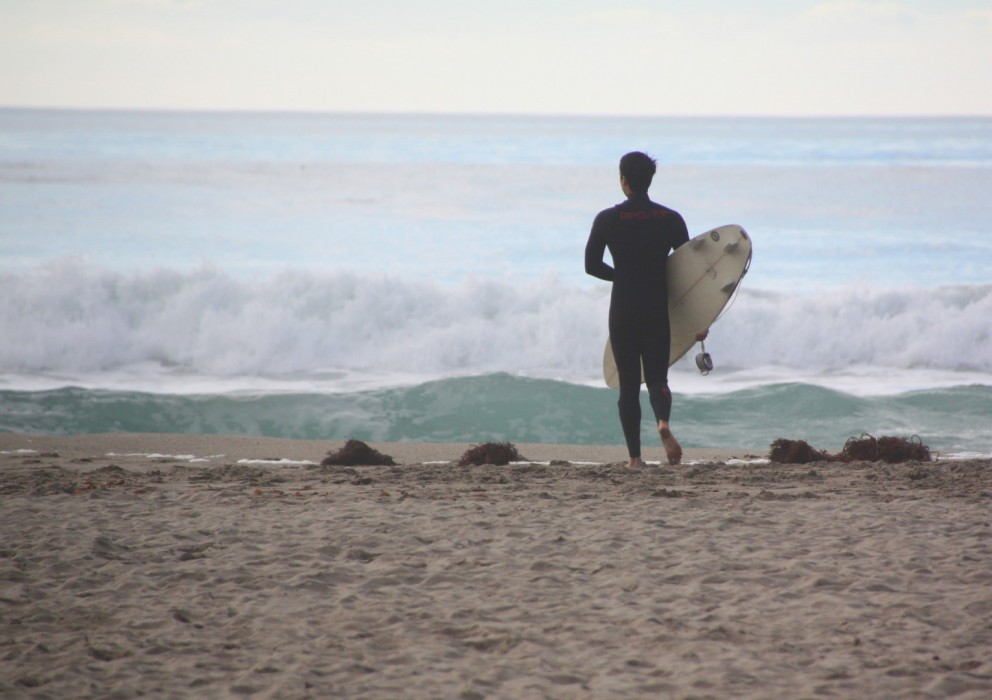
(703,275)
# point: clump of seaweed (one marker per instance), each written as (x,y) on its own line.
(785,451)
(885,449)
(497,453)
(356,453)
(866,448)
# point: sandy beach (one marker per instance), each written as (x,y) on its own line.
(207,566)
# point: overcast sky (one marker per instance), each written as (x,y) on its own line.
(660,57)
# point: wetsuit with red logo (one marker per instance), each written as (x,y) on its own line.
(640,235)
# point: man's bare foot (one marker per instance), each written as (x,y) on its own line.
(635,462)
(673,450)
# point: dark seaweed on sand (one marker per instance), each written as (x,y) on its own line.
(356,453)
(497,453)
(885,449)
(785,451)
(866,448)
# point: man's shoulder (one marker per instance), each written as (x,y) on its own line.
(608,214)
(662,208)
(614,209)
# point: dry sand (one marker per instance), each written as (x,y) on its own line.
(129,567)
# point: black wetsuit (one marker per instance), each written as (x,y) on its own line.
(640,235)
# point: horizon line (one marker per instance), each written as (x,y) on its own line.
(480,113)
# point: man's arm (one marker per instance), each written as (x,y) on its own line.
(595,248)
(681,233)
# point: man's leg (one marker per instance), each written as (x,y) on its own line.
(627,356)
(656,376)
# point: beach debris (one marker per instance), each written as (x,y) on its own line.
(866,448)
(785,451)
(356,453)
(885,449)
(496,453)
(182,615)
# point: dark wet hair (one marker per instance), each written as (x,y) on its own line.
(639,169)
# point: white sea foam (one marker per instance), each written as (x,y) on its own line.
(278,462)
(203,331)
(192,459)
(962,456)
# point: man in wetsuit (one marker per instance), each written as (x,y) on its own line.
(640,235)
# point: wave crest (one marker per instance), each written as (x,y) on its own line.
(71,316)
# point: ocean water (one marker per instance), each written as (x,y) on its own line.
(418,277)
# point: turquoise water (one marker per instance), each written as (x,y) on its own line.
(500,407)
